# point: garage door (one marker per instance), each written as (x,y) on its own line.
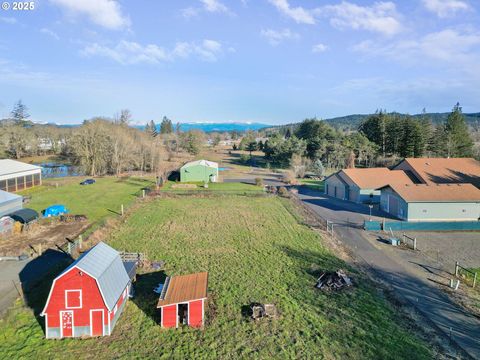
(393,205)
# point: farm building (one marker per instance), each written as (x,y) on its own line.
(9,203)
(200,170)
(182,300)
(437,202)
(16,175)
(362,185)
(442,171)
(87,298)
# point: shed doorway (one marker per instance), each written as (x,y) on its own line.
(183,314)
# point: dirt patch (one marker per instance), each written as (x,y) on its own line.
(44,235)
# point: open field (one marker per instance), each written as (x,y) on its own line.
(97,201)
(255,249)
(229,187)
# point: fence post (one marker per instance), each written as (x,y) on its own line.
(456,268)
(414,243)
(143,193)
(474,280)
(122,209)
(80,241)
(69,244)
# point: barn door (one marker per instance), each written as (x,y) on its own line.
(66,323)
(96,322)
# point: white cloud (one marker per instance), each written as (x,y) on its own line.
(106,13)
(445,8)
(128,52)
(319,48)
(214,6)
(298,14)
(275,37)
(450,49)
(211,6)
(8,20)
(50,33)
(381,17)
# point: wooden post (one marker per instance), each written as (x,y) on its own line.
(80,240)
(122,209)
(69,244)
(143,193)
(414,243)
(39,249)
(456,268)
(474,280)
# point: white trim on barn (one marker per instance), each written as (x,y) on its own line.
(66,299)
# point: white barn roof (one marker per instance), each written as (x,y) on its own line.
(201,162)
(11,168)
(103,263)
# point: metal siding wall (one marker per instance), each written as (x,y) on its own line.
(10,206)
(443,211)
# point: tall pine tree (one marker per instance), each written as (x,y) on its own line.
(458,140)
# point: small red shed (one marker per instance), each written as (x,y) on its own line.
(87,298)
(182,300)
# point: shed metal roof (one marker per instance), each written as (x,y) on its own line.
(201,162)
(24,215)
(185,288)
(103,263)
(372,178)
(10,167)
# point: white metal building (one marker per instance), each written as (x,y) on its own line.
(9,203)
(16,175)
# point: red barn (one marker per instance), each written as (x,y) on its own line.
(182,300)
(87,298)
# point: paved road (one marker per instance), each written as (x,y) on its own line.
(463,327)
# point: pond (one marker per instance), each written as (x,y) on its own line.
(56,170)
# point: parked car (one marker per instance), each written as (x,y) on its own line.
(55,210)
(88,182)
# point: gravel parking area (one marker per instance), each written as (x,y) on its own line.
(447,247)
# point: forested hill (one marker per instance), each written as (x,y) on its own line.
(351,122)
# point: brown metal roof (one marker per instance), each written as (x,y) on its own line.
(373,178)
(437,192)
(443,171)
(185,288)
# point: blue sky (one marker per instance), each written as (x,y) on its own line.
(273,61)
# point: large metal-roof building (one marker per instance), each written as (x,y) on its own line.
(16,175)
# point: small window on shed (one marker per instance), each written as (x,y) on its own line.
(73,299)
(464,210)
(424,210)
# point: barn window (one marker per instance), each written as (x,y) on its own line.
(73,299)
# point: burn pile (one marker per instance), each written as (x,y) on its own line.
(333,280)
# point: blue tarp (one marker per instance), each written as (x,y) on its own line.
(55,210)
(422,226)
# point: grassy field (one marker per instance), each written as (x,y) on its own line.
(97,201)
(230,187)
(314,184)
(255,250)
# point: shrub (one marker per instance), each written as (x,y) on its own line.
(288,177)
(283,192)
(244,158)
(259,181)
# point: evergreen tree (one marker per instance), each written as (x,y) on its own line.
(458,140)
(166,126)
(20,113)
(152,129)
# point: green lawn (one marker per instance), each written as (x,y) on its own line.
(314,184)
(230,187)
(97,201)
(254,250)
